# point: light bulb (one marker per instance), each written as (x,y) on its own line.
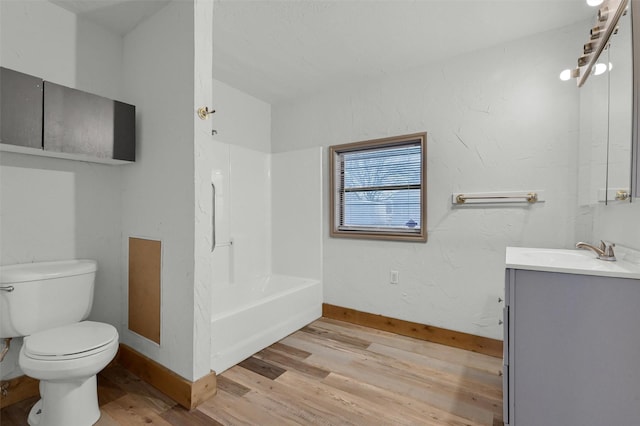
(594,3)
(565,75)
(600,68)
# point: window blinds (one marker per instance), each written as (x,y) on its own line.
(379,188)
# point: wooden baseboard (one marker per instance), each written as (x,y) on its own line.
(18,389)
(184,392)
(470,342)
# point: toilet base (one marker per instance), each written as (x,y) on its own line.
(73,403)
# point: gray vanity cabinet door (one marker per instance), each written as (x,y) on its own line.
(20,109)
(78,122)
(574,350)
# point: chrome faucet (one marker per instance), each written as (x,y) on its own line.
(604,252)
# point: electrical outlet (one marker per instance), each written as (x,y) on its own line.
(393,277)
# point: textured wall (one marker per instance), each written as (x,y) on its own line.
(617,223)
(241,119)
(158,190)
(497,120)
(202,273)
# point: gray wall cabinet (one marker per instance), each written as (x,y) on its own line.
(20,109)
(62,122)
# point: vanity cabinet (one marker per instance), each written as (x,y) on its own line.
(43,118)
(572,349)
(20,109)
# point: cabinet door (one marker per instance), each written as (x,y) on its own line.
(78,122)
(20,109)
(124,131)
(576,346)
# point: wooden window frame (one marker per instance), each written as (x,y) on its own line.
(334,182)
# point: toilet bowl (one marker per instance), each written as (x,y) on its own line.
(47,303)
(66,360)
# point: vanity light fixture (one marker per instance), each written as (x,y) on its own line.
(599,68)
(568,74)
(609,12)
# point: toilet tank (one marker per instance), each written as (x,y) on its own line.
(42,295)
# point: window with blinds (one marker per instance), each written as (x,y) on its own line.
(378,188)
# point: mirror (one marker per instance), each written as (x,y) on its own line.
(592,173)
(635,139)
(606,123)
(620,76)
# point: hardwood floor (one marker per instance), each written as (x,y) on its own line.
(329,373)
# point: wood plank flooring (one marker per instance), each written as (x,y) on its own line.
(328,373)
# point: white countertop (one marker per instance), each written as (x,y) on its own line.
(582,262)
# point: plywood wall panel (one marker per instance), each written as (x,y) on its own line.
(144,287)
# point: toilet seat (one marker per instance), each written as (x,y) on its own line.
(79,340)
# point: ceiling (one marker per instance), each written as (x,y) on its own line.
(278,50)
(118,16)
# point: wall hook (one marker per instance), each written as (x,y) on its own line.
(203,112)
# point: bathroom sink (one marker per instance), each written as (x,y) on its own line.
(576,258)
(569,261)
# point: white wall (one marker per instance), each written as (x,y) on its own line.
(41,38)
(50,208)
(617,223)
(158,195)
(241,119)
(497,119)
(296,213)
(202,272)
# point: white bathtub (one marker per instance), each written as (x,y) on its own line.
(249,317)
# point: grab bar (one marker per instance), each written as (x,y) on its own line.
(213,217)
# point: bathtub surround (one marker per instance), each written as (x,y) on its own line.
(248,317)
(297,212)
(266,264)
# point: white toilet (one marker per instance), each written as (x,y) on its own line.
(46,302)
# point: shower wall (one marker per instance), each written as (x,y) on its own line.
(243,215)
(296,207)
(269,206)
